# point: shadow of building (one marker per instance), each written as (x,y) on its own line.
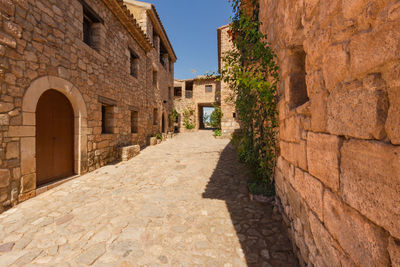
(262,234)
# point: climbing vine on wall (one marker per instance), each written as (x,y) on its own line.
(251,72)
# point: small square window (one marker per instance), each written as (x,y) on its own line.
(134,121)
(134,64)
(209,88)
(178,91)
(107,119)
(90,33)
(234,115)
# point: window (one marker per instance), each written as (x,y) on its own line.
(298,87)
(90,31)
(107,119)
(189,89)
(178,91)
(155,116)
(134,121)
(234,115)
(209,88)
(155,78)
(134,63)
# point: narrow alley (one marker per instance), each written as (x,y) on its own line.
(183,202)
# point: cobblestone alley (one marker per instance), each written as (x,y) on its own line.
(181,203)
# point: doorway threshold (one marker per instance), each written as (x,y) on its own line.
(43,188)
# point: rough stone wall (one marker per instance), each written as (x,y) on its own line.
(41,44)
(338,174)
(229,122)
(200,98)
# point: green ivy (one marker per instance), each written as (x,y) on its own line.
(252,73)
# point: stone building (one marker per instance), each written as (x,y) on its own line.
(338,176)
(205,91)
(79,80)
(192,96)
(229,122)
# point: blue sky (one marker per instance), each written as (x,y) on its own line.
(191,26)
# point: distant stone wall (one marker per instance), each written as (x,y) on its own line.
(41,48)
(338,176)
(199,98)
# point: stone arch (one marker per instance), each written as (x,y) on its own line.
(29,103)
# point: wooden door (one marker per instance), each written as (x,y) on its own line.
(54,137)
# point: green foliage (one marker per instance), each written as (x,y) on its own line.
(252,74)
(215,117)
(217,132)
(188,118)
(158,136)
(173,117)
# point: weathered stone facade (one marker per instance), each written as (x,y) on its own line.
(338,174)
(194,94)
(43,47)
(229,122)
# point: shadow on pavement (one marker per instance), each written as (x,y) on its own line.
(263,236)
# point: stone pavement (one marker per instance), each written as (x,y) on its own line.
(181,203)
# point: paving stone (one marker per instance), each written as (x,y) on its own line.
(145,212)
(92,254)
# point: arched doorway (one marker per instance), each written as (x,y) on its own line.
(163,123)
(54,137)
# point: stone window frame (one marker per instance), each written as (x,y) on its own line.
(92,25)
(27,131)
(133,63)
(107,115)
(134,129)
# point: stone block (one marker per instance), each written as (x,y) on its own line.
(4,178)
(363,241)
(370,181)
(21,131)
(153,141)
(335,65)
(323,158)
(289,129)
(4,119)
(295,153)
(370,50)
(394,251)
(319,117)
(29,119)
(329,249)
(128,152)
(28,155)
(311,190)
(12,150)
(7,40)
(28,183)
(6,107)
(13,29)
(359,112)
(352,9)
(8,7)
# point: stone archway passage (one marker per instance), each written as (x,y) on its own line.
(54,138)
